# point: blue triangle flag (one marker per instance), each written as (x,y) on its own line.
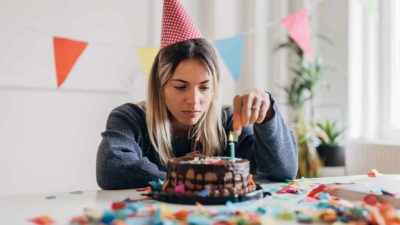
(231,51)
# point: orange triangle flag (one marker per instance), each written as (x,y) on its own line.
(66,52)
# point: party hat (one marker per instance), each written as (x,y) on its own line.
(176,24)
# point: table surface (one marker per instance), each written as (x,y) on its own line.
(61,207)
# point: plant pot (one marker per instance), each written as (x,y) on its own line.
(331,155)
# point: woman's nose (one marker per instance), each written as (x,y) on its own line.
(193,97)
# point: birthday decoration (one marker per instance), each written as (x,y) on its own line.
(231,51)
(176,24)
(298,28)
(146,57)
(42,220)
(66,52)
(323,208)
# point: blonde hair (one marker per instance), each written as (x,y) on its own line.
(208,135)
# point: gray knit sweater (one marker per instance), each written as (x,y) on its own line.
(127,159)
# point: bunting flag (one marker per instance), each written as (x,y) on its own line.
(231,51)
(298,28)
(147,56)
(66,52)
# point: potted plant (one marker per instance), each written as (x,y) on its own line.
(329,150)
(307,72)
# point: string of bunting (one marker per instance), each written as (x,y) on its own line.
(67,50)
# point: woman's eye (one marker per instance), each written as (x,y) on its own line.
(180,87)
(204,88)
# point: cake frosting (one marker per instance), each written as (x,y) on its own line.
(216,176)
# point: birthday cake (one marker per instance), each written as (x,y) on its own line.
(196,174)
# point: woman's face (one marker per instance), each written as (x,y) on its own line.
(188,93)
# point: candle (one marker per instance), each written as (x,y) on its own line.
(232,145)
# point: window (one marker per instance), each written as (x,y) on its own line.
(391,69)
(395,74)
(374,71)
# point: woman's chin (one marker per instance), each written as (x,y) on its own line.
(190,122)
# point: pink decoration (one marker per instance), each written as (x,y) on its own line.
(176,24)
(316,190)
(298,28)
(180,189)
(288,189)
(373,173)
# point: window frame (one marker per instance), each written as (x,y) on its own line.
(370,71)
(389,21)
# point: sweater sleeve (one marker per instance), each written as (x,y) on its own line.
(270,147)
(275,149)
(120,161)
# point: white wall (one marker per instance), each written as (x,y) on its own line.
(49,137)
(331,100)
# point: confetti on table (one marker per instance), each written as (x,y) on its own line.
(373,173)
(42,220)
(180,189)
(316,190)
(313,205)
(371,199)
(205,192)
(288,190)
(148,188)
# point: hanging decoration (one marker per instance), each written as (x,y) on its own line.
(146,58)
(298,28)
(231,51)
(66,52)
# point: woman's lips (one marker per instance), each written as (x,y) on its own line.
(191,113)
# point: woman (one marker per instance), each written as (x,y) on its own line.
(183,114)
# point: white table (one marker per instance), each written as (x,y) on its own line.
(19,208)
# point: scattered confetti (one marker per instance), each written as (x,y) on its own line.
(371,199)
(373,173)
(51,197)
(180,189)
(42,220)
(385,192)
(316,190)
(289,190)
(156,185)
(76,192)
(204,193)
(148,188)
(314,205)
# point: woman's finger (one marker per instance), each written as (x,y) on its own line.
(237,110)
(255,109)
(263,109)
(247,100)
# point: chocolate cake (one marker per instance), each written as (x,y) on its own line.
(216,176)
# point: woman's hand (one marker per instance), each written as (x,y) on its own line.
(250,107)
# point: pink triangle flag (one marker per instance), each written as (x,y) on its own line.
(298,28)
